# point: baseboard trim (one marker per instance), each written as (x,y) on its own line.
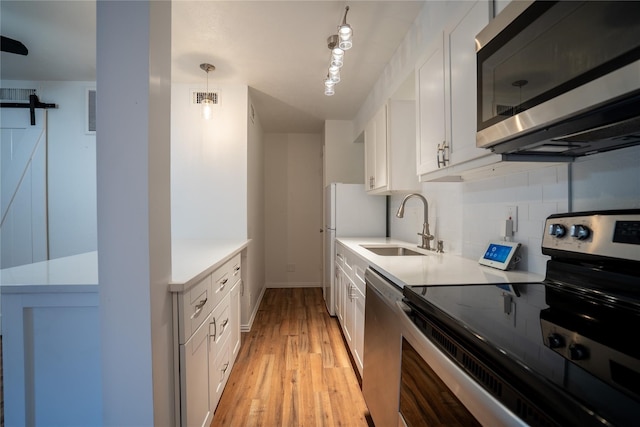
(294,285)
(247,327)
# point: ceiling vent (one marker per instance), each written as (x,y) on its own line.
(198,96)
(11,94)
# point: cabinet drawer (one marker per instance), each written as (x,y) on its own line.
(236,269)
(219,327)
(195,304)
(224,278)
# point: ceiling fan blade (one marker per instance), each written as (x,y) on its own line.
(12,46)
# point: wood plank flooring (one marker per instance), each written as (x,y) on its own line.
(293,368)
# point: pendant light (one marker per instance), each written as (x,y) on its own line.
(207,101)
(338,44)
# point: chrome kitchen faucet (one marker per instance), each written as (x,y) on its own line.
(426,236)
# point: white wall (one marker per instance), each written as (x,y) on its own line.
(255,271)
(343,158)
(445,216)
(134,226)
(71,166)
(293,194)
(607,181)
(209,164)
(537,194)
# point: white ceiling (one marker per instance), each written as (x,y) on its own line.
(278,48)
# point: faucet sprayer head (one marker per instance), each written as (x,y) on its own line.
(400,213)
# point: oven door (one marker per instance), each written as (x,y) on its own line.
(435,391)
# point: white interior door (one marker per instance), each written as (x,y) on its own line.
(23,187)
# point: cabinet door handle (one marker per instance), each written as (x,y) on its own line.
(223,284)
(199,307)
(224,324)
(441,153)
(215,329)
(224,369)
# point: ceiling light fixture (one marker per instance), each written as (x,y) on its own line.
(207,100)
(338,44)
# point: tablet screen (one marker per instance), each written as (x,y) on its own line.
(497,253)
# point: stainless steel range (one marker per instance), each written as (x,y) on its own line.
(562,352)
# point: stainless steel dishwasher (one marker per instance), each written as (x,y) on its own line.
(382,349)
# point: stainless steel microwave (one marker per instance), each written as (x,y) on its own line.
(559,78)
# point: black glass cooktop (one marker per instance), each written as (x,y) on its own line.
(572,354)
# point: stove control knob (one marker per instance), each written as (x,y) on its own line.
(581,232)
(555,340)
(578,352)
(557,230)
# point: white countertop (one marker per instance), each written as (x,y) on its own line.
(434,268)
(191,260)
(75,273)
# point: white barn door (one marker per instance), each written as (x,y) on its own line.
(23,187)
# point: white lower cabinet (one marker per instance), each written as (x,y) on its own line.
(206,356)
(350,305)
(219,370)
(194,390)
(358,317)
(234,308)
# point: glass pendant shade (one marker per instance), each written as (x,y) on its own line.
(207,107)
(337,58)
(334,75)
(346,37)
(345,44)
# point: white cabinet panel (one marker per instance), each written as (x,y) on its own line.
(462,60)
(194,384)
(430,86)
(390,149)
(351,302)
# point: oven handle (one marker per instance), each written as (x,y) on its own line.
(484,407)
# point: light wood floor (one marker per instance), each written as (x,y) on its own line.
(293,368)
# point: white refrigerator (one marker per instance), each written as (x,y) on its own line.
(349,212)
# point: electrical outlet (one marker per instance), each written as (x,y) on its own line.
(512,214)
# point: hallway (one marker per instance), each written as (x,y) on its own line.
(293,368)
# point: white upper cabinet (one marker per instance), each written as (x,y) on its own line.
(389,140)
(430,111)
(375,140)
(463,82)
(446,90)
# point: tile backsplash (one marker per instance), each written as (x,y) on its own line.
(467,215)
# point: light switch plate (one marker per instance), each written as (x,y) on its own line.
(512,213)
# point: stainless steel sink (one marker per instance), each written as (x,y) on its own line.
(392,251)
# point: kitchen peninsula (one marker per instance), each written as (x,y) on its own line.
(51,330)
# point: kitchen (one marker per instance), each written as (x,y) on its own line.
(465,215)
